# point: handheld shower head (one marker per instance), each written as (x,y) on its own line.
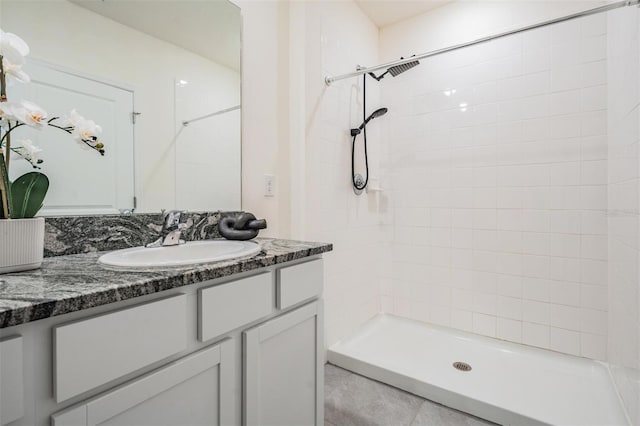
(375,114)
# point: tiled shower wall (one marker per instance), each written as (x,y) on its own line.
(498,163)
(624,205)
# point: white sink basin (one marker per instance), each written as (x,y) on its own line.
(191,253)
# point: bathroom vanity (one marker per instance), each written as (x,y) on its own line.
(236,342)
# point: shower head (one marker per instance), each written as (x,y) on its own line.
(397,69)
(375,114)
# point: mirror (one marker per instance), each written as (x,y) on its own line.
(161,78)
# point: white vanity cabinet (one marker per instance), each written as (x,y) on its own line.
(193,391)
(283,370)
(244,349)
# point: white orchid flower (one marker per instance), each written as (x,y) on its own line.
(72,119)
(87,131)
(84,131)
(15,72)
(13,48)
(30,114)
(27,150)
(7,112)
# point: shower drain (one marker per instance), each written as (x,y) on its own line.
(462,366)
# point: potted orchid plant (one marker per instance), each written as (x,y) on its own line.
(22,198)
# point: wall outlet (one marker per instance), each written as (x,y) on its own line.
(269,185)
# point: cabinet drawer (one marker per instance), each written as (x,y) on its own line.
(11,380)
(92,352)
(298,283)
(225,307)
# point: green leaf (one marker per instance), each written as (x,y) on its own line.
(27,193)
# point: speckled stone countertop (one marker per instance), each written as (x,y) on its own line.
(72,283)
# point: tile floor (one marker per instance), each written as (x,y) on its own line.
(354,400)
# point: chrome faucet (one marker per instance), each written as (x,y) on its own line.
(171,230)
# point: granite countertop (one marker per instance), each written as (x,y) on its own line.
(72,283)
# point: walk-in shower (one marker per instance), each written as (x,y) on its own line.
(509,239)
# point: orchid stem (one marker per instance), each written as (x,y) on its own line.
(3,83)
(7,145)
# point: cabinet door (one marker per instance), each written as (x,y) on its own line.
(283,380)
(195,390)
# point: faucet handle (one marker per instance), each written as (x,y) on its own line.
(171,220)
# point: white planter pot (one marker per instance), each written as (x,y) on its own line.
(21,244)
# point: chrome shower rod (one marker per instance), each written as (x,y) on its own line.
(362,70)
(213,114)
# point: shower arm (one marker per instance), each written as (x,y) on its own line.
(362,70)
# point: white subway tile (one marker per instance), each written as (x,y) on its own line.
(565,245)
(594,49)
(535,334)
(536,312)
(593,98)
(535,220)
(509,307)
(540,38)
(567,317)
(594,25)
(570,127)
(594,297)
(594,247)
(593,197)
(593,346)
(565,77)
(593,271)
(565,269)
(484,324)
(536,266)
(462,319)
(536,84)
(567,102)
(593,321)
(484,303)
(508,329)
(565,222)
(564,341)
(569,31)
(508,219)
(509,263)
(569,53)
(593,73)
(594,123)
(535,289)
(594,148)
(564,293)
(509,285)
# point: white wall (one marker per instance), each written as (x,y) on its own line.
(265,112)
(338,37)
(147,65)
(464,21)
(624,206)
(499,189)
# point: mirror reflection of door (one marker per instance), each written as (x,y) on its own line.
(81,181)
(145,47)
